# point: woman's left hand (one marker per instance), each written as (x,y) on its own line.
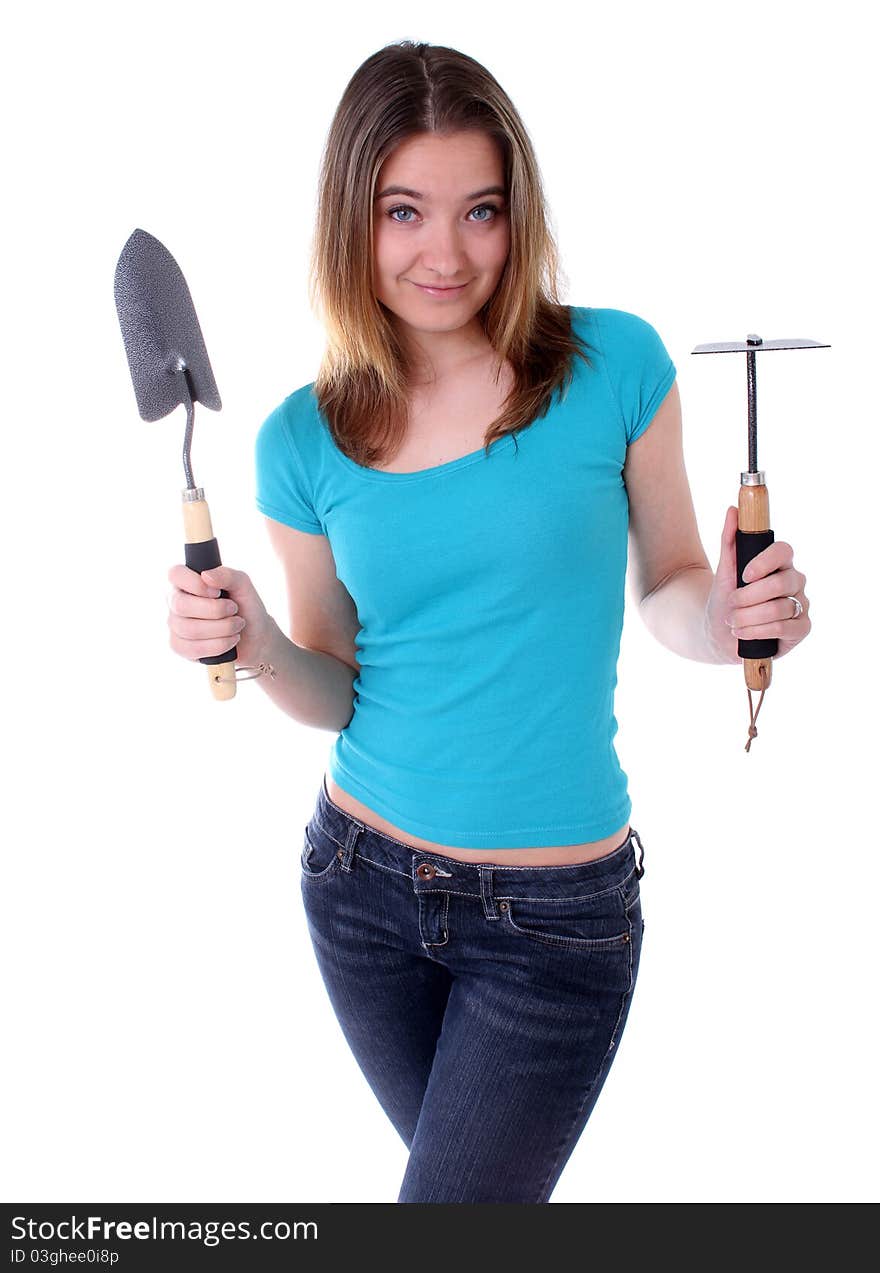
(762,607)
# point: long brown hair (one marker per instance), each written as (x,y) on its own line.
(361,387)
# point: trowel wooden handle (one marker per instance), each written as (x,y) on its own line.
(203,553)
(753,536)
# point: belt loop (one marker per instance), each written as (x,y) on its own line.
(490,910)
(351,835)
(640,869)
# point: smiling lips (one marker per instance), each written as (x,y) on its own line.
(440,291)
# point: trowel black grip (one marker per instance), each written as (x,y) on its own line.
(748,545)
(205,555)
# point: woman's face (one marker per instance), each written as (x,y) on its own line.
(451,229)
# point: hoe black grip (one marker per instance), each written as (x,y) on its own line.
(748,545)
(205,555)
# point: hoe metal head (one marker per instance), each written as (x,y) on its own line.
(754,344)
(751,346)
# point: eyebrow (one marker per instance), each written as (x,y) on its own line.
(414,194)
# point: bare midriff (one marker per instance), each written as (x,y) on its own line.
(548,855)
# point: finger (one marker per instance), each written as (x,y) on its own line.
(781,609)
(195,631)
(191,581)
(202,649)
(775,557)
(782,583)
(200,608)
(223,577)
(767,620)
(786,630)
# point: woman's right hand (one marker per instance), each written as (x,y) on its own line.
(200,622)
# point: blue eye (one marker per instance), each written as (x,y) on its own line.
(405,207)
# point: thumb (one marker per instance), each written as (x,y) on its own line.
(726,572)
(235,582)
(218,577)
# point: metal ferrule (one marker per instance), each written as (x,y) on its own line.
(192,493)
(752,479)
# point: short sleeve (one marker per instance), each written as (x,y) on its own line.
(282,491)
(640,369)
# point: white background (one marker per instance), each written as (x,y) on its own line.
(710,168)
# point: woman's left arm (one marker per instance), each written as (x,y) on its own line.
(691,610)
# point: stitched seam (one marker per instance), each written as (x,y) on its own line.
(322,875)
(303,859)
(330,836)
(554,866)
(550,866)
(453,891)
(284,515)
(599,1069)
(382,867)
(585,943)
(630,986)
(581,942)
(576,897)
(501,897)
(444,920)
(658,393)
(567,866)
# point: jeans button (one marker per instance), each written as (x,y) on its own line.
(426,870)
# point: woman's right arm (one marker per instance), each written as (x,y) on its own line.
(315,668)
(313,687)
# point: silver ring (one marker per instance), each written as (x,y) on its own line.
(798,608)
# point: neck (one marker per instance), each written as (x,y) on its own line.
(435,357)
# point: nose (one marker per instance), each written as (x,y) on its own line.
(443,255)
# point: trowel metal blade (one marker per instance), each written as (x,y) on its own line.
(740,346)
(160,330)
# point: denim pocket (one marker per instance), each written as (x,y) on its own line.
(321,856)
(594,921)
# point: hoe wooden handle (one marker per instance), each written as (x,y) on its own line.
(752,536)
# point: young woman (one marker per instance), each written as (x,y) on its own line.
(451,500)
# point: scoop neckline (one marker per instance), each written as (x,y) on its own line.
(381,475)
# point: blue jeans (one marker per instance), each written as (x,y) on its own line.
(484,1004)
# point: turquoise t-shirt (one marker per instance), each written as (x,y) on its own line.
(490,596)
